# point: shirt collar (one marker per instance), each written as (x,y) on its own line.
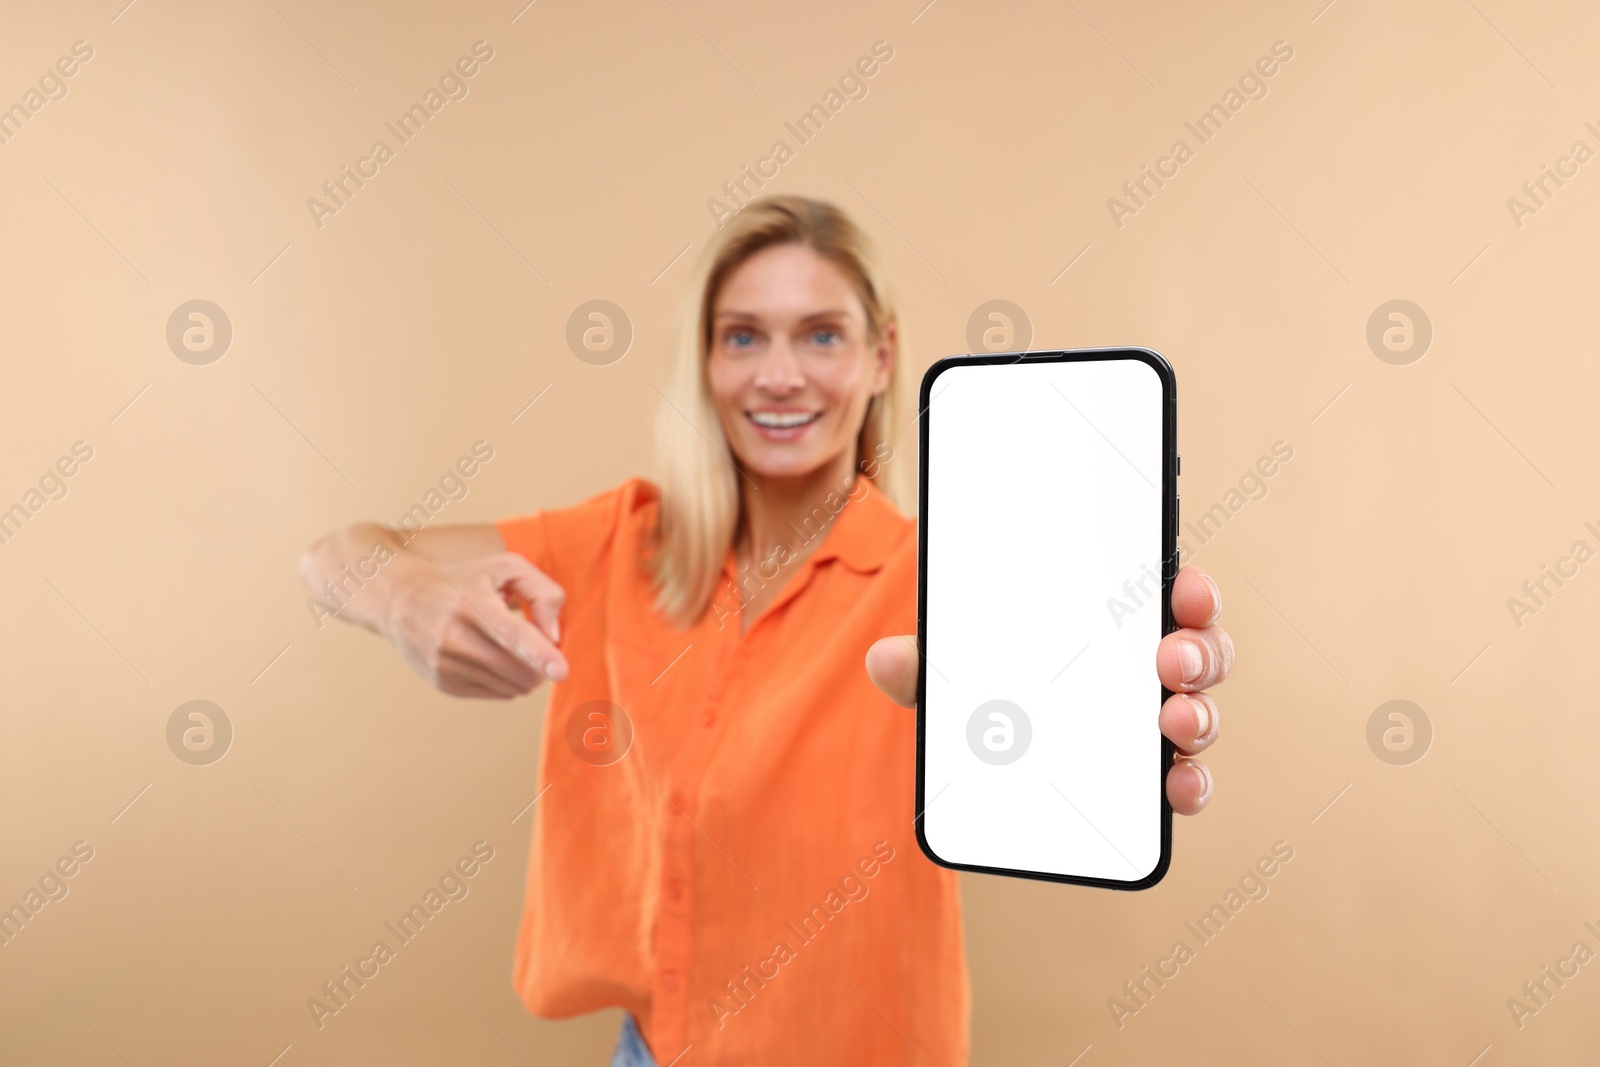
(867,529)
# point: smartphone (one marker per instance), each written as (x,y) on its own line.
(1048,546)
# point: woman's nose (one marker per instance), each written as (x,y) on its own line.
(779,371)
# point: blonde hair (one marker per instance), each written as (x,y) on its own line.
(700,486)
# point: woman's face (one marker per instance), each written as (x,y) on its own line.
(791,367)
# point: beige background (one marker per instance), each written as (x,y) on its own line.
(430,310)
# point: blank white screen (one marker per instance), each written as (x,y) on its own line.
(1043,499)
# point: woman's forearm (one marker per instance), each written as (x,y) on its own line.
(352,572)
(443,597)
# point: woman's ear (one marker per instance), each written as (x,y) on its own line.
(885,351)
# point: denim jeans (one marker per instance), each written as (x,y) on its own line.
(631,1050)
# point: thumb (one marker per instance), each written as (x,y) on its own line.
(512,574)
(893,666)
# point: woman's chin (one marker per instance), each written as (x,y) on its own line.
(780,465)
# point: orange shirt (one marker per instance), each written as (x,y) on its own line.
(744,877)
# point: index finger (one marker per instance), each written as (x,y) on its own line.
(513,632)
(1196,601)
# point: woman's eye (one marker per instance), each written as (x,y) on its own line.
(739,339)
(827,337)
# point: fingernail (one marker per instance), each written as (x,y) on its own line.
(1191,661)
(1216,597)
(553,671)
(1202,716)
(555,630)
(1205,772)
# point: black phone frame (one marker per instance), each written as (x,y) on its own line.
(1169,569)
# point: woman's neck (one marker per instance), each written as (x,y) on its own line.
(790,512)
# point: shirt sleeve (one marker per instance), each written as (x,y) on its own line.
(571,544)
(529,537)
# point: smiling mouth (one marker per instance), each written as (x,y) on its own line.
(783,420)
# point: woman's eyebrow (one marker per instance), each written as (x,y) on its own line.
(750,316)
(830,314)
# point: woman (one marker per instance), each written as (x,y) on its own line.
(724,844)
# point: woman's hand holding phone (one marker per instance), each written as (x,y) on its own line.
(1190,660)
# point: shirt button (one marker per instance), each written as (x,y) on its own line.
(674,890)
(676,800)
(709,719)
(669,980)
